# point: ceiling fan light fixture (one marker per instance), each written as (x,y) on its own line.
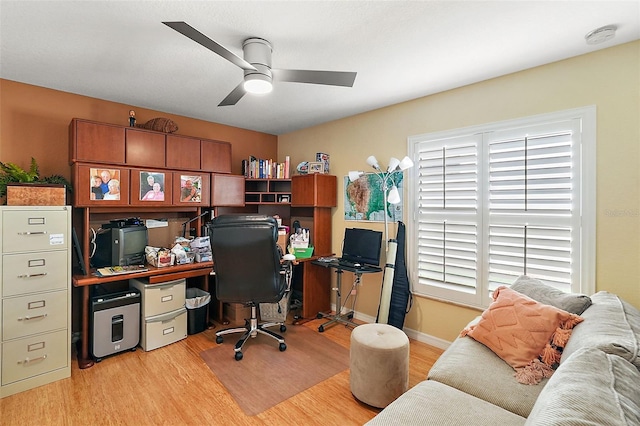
(258,84)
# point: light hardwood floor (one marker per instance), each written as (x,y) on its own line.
(173,386)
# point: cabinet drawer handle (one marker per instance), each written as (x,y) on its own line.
(27,318)
(42,274)
(32,233)
(28,360)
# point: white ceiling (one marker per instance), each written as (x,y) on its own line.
(120,51)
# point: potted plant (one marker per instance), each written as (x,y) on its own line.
(11,173)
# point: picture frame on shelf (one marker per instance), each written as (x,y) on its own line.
(316,167)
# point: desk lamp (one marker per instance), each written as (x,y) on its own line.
(184,224)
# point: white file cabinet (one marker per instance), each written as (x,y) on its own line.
(164,316)
(36,296)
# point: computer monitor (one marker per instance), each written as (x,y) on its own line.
(362,246)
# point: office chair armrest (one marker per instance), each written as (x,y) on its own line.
(287,262)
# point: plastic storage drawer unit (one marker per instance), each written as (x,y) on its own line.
(164,316)
(164,329)
(160,298)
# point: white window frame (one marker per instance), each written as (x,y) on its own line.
(583,199)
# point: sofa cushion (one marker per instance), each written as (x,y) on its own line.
(543,293)
(527,334)
(433,403)
(610,324)
(471,367)
(590,388)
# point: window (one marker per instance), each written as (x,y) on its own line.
(497,201)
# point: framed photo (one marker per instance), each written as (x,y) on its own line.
(100,185)
(316,167)
(150,187)
(105,184)
(191,188)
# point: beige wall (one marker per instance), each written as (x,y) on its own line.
(609,79)
(34,122)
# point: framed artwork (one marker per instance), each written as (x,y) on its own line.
(316,167)
(364,200)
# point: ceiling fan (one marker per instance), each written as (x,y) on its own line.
(258,74)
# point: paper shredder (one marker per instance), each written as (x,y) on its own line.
(115,323)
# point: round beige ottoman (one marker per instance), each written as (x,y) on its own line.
(379,362)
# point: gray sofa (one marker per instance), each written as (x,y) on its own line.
(596,383)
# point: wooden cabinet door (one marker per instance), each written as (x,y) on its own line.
(227,190)
(87,194)
(215,156)
(315,190)
(96,142)
(183,153)
(144,148)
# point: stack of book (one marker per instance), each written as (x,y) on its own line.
(259,168)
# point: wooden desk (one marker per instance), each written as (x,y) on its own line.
(316,287)
(155,275)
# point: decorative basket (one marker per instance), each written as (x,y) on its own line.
(276,312)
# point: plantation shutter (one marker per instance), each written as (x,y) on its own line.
(497,201)
(448,213)
(532,195)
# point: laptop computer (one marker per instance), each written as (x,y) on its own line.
(361,248)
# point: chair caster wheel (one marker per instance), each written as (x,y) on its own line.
(319,315)
(218,339)
(283,347)
(283,328)
(350,316)
(238,356)
(321,329)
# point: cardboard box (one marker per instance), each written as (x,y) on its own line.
(236,312)
(282,242)
(36,194)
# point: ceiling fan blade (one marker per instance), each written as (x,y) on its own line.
(195,35)
(235,95)
(331,78)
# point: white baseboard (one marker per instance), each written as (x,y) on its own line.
(412,334)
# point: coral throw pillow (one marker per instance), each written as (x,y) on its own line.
(526,334)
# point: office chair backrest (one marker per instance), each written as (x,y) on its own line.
(246,259)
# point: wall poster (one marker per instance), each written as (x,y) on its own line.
(364,200)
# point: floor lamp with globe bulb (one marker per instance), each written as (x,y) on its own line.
(391,195)
(390,191)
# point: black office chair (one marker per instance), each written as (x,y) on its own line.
(249,270)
